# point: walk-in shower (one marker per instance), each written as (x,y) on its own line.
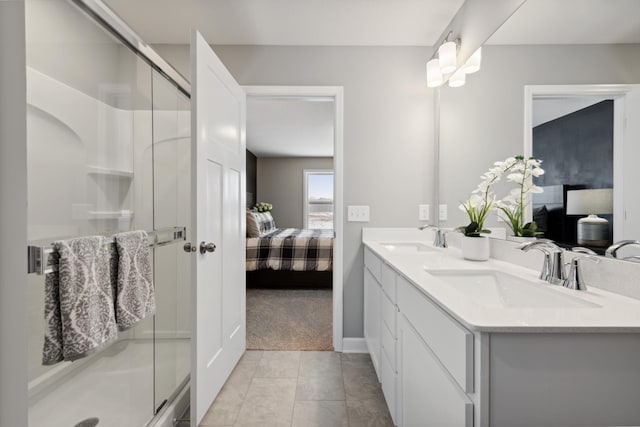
(108,151)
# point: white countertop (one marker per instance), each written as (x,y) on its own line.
(613,313)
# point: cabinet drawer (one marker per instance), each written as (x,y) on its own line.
(388,344)
(389,315)
(373,263)
(389,387)
(389,282)
(449,341)
(426,394)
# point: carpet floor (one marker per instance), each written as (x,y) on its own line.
(289,319)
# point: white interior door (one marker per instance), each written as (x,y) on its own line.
(218,188)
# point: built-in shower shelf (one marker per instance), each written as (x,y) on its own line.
(110,214)
(100,170)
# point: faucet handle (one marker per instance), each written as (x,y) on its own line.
(574,279)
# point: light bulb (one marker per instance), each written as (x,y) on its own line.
(473,63)
(434,74)
(447,53)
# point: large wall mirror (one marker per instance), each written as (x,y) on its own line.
(559,81)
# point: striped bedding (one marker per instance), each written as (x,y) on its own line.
(291,249)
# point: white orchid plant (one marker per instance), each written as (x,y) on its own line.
(483,200)
(512,207)
(480,202)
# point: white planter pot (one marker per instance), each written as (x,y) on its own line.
(475,248)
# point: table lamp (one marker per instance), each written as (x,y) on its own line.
(592,230)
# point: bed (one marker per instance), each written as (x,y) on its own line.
(287,257)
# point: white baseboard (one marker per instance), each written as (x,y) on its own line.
(354,345)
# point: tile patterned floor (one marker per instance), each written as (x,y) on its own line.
(300,389)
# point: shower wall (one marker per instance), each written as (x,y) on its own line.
(108,151)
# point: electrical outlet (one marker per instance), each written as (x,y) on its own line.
(358,213)
(442,213)
(423,212)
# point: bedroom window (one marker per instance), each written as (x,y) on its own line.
(318,199)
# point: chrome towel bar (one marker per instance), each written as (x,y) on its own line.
(40,262)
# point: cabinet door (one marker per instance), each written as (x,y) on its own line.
(372,319)
(428,396)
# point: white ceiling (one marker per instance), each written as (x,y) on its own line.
(290,22)
(547,109)
(289,127)
(572,22)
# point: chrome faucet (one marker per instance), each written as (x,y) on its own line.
(440,240)
(574,279)
(612,251)
(553,267)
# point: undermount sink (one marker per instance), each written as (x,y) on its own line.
(493,288)
(407,247)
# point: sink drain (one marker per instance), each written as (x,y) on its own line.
(89,422)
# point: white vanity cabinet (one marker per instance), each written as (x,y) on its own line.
(380,324)
(423,358)
(447,359)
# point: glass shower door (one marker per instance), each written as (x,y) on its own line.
(171,189)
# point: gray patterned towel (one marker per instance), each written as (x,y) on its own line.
(135,298)
(79,304)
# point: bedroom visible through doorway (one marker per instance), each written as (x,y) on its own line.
(292,225)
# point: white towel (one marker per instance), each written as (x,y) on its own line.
(79,304)
(135,298)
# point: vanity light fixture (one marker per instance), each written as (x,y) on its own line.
(448,56)
(443,65)
(473,63)
(434,73)
(458,78)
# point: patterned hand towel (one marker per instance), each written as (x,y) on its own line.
(135,298)
(79,305)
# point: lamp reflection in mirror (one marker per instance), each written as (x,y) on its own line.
(592,230)
(447,54)
(473,63)
(434,73)
(458,78)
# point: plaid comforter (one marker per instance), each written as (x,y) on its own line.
(291,249)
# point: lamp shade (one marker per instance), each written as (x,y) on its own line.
(447,54)
(458,78)
(473,63)
(434,74)
(590,201)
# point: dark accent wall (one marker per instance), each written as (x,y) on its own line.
(576,152)
(252,178)
(577,149)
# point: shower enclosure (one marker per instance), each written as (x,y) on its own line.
(108,151)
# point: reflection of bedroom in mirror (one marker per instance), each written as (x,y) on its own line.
(580,131)
(290,214)
(576,70)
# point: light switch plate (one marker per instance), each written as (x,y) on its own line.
(442,213)
(358,213)
(423,212)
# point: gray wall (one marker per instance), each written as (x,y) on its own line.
(484,121)
(13,216)
(388,131)
(281,183)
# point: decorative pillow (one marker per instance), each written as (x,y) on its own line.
(259,223)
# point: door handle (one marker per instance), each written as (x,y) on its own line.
(207,247)
(188,247)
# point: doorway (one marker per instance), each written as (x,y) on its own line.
(313,97)
(626,130)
